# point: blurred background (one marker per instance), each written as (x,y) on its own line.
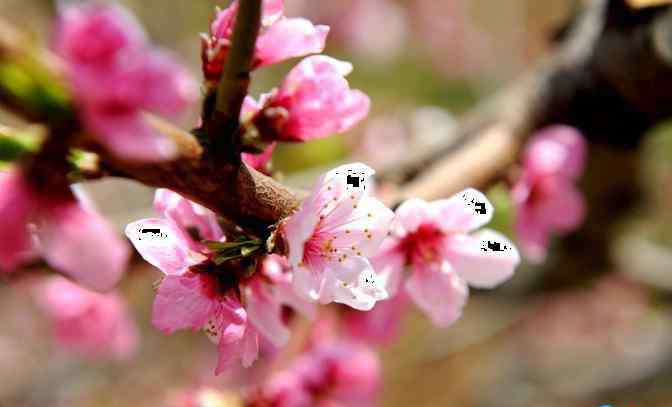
(603,336)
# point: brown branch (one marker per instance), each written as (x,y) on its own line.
(611,77)
(223,124)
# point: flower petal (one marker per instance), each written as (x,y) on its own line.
(265,313)
(16,204)
(168,250)
(182,302)
(439,292)
(127,136)
(187,214)
(83,245)
(463,212)
(412,213)
(556,149)
(484,260)
(290,38)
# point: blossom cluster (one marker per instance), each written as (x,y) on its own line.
(61,227)
(116,77)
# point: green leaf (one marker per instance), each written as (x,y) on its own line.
(248,250)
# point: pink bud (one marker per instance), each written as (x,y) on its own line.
(314,100)
(96,325)
(545,196)
(280,38)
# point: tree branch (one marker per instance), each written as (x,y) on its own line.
(235,80)
(610,76)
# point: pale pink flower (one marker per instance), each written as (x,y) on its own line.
(332,235)
(280,38)
(436,243)
(334,374)
(374,29)
(116,76)
(72,239)
(196,294)
(314,100)
(545,196)
(93,324)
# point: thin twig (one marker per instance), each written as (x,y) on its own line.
(235,80)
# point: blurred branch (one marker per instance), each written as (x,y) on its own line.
(610,76)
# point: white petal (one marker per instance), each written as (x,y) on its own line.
(163,245)
(484,259)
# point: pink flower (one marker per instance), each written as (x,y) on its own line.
(116,76)
(260,162)
(332,235)
(71,238)
(96,325)
(545,196)
(197,294)
(334,374)
(436,244)
(313,101)
(280,38)
(381,325)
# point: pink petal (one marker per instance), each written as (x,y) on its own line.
(265,313)
(533,237)
(382,324)
(259,161)
(272,10)
(484,259)
(361,294)
(365,229)
(83,245)
(389,266)
(94,324)
(95,34)
(127,136)
(239,341)
(556,150)
(249,109)
(318,100)
(463,212)
(306,283)
(168,87)
(566,210)
(250,348)
(16,204)
(290,38)
(183,302)
(412,213)
(439,292)
(187,214)
(169,251)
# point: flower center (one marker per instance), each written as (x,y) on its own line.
(424,245)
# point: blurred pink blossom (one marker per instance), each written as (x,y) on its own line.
(545,196)
(95,325)
(381,325)
(72,239)
(116,76)
(434,241)
(374,29)
(332,235)
(191,297)
(280,38)
(333,374)
(314,100)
